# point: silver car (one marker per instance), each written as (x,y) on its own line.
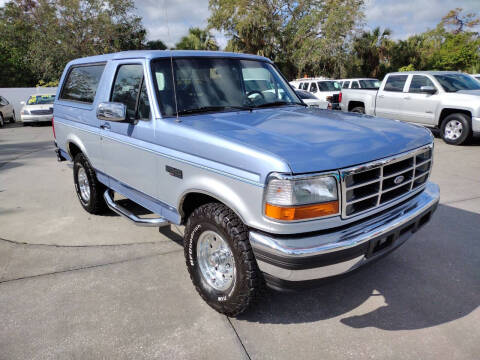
(6,111)
(38,108)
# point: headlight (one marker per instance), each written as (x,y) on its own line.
(25,112)
(302,198)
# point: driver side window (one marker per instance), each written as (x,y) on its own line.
(129,89)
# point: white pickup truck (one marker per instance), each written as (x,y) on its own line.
(449,101)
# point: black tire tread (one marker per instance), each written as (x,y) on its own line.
(238,232)
(97,205)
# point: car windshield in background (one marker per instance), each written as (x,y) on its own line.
(369,84)
(329,86)
(218,84)
(41,99)
(305,95)
(457,82)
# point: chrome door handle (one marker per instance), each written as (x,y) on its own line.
(105,126)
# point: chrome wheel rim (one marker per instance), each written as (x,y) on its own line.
(215,260)
(453,130)
(83,184)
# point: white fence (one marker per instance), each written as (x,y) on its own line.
(16,95)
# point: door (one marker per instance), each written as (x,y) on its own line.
(419,106)
(390,98)
(127,160)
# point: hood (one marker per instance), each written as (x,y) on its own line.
(312,140)
(468,92)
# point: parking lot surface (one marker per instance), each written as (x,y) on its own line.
(78,286)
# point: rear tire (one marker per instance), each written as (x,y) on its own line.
(220,260)
(12,119)
(1,121)
(358,110)
(89,190)
(456,129)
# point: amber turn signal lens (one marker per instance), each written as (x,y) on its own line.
(301,212)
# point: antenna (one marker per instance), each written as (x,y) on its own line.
(171,62)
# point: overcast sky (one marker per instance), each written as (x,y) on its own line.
(403,17)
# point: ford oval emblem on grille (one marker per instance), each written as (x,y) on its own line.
(399,179)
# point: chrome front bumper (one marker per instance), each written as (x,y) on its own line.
(293,259)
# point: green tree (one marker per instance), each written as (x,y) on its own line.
(43,35)
(308,36)
(371,49)
(155,45)
(197,39)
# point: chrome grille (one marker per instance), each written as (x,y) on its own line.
(41,112)
(376,184)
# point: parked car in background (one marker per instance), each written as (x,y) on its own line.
(312,101)
(7,111)
(360,83)
(323,89)
(449,101)
(37,109)
(268,190)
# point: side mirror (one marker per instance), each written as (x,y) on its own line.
(112,111)
(428,90)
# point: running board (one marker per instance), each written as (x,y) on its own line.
(120,210)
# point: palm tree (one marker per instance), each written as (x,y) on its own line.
(197,39)
(372,49)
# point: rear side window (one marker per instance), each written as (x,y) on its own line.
(81,83)
(345,85)
(129,89)
(313,88)
(355,85)
(305,86)
(395,83)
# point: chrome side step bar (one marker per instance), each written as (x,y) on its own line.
(120,210)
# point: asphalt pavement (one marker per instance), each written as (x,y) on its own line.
(78,286)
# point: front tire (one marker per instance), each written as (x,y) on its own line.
(13,119)
(89,190)
(1,121)
(456,129)
(220,259)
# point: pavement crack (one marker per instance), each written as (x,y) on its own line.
(91,266)
(82,246)
(238,338)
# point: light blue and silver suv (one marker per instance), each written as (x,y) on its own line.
(269,191)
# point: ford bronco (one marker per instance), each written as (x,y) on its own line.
(270,191)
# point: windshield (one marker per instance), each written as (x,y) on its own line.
(41,99)
(329,86)
(369,84)
(218,84)
(456,82)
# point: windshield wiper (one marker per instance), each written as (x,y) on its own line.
(278,103)
(212,108)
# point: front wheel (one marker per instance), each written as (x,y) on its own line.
(456,129)
(220,259)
